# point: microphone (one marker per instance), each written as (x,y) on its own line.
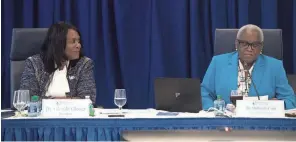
(245,66)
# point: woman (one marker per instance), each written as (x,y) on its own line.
(60,70)
(234,71)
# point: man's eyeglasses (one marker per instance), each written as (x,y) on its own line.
(245,44)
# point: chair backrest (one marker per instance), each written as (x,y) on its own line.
(25,43)
(292,81)
(273,44)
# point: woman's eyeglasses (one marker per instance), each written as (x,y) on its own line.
(253,45)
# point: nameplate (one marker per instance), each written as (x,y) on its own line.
(259,108)
(65,108)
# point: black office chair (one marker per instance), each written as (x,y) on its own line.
(25,43)
(273,43)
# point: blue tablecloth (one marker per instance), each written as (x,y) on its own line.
(110,129)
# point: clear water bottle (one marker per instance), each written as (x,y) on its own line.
(91,107)
(219,104)
(34,107)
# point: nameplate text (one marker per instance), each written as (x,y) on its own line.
(65,108)
(259,108)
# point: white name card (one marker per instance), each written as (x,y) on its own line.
(65,108)
(265,109)
(262,98)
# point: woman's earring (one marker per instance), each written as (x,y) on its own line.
(261,52)
(236,49)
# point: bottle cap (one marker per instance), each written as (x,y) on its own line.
(219,97)
(35,98)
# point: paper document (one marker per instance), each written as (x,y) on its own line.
(262,98)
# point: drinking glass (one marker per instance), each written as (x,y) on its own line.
(120,98)
(234,96)
(21,98)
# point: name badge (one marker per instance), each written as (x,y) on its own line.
(265,109)
(65,108)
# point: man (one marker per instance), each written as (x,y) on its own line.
(227,72)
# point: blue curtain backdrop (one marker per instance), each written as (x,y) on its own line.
(134,41)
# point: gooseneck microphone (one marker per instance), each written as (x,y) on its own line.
(245,66)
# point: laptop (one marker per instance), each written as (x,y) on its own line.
(178,94)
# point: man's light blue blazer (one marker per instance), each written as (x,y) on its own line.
(268,75)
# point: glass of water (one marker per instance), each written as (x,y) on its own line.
(120,98)
(235,96)
(21,98)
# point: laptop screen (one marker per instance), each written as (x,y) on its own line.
(177,94)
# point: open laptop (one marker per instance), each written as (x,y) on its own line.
(177,94)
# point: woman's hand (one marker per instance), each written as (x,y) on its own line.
(230,107)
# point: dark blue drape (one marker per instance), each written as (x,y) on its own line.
(134,41)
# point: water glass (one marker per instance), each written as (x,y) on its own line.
(233,93)
(21,98)
(235,96)
(120,98)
